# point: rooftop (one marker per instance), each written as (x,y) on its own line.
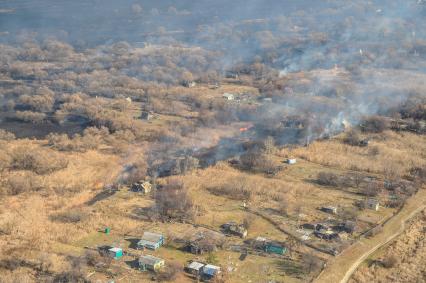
(149,260)
(151,237)
(195,265)
(115,250)
(211,269)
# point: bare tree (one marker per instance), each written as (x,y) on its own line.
(173,202)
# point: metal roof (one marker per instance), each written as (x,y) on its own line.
(195,265)
(152,237)
(211,269)
(149,260)
(115,250)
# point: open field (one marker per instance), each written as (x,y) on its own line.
(407,249)
(121,210)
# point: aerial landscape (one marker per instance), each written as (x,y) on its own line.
(212,141)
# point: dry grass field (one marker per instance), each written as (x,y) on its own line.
(31,232)
(402,260)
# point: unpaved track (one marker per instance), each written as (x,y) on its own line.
(341,268)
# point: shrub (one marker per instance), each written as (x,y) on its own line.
(390,261)
(5,160)
(237,189)
(24,183)
(375,124)
(40,161)
(6,136)
(257,161)
(30,117)
(169,273)
(352,137)
(173,202)
(328,179)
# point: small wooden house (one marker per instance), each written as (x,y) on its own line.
(142,187)
(329,209)
(195,268)
(149,262)
(151,241)
(147,115)
(189,84)
(373,204)
(235,229)
(228,96)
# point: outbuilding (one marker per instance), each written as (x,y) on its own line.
(149,262)
(329,209)
(195,268)
(142,187)
(373,204)
(115,253)
(228,96)
(147,115)
(210,271)
(151,241)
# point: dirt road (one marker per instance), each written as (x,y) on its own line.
(341,268)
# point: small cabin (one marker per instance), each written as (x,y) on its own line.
(146,115)
(232,75)
(151,263)
(228,96)
(189,84)
(115,253)
(373,204)
(329,209)
(235,229)
(195,268)
(151,241)
(142,187)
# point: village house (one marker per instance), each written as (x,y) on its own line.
(232,75)
(195,268)
(204,242)
(151,263)
(228,96)
(147,115)
(189,84)
(143,187)
(115,253)
(234,229)
(151,241)
(329,209)
(210,271)
(373,204)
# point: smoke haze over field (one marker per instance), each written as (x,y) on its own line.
(329,61)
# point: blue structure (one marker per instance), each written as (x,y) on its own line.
(115,253)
